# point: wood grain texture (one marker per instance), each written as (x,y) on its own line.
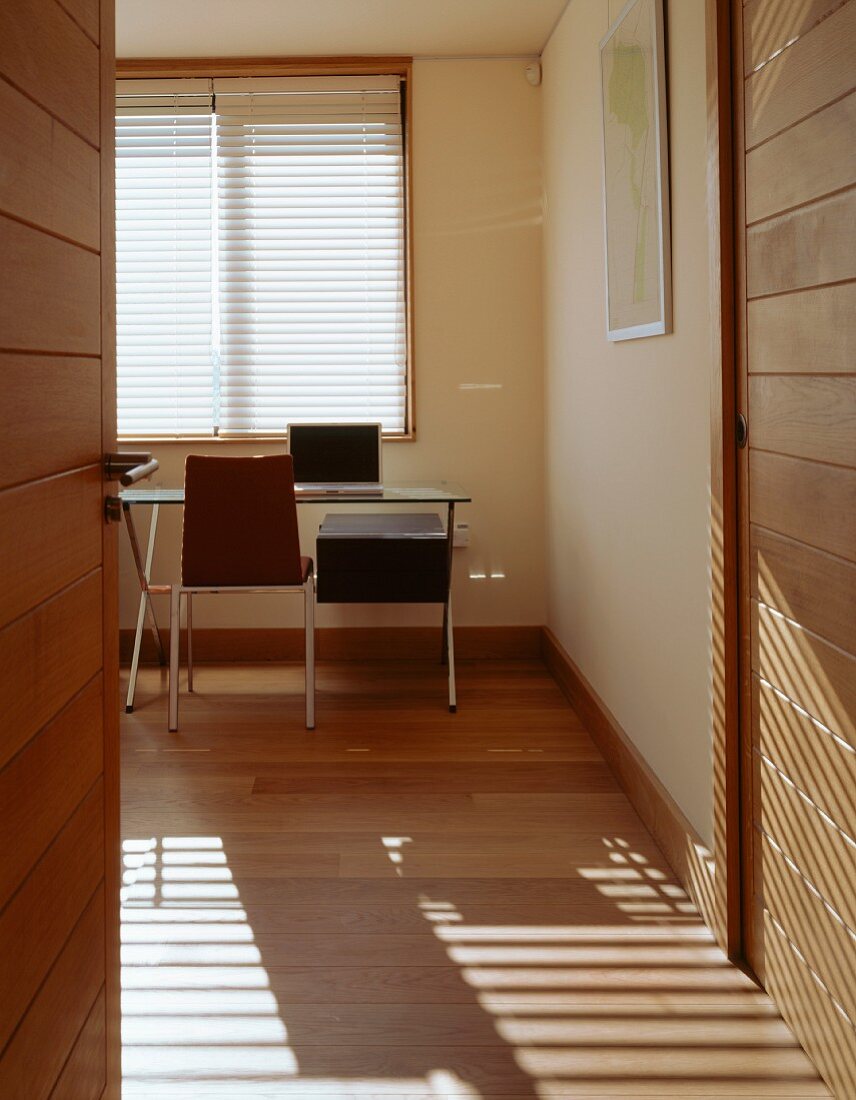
(31,1064)
(802,164)
(48,415)
(819,763)
(806,417)
(42,785)
(52,182)
(813,842)
(815,70)
(806,668)
(87,15)
(809,1009)
(42,914)
(826,943)
(46,657)
(49,58)
(809,332)
(52,303)
(49,537)
(812,588)
(82,1076)
(808,501)
(425,936)
(803,248)
(770,26)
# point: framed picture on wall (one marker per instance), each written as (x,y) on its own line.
(636,173)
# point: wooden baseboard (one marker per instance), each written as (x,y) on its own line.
(350,643)
(688,857)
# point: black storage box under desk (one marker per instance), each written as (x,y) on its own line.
(390,558)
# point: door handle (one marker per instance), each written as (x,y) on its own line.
(742,432)
(126,467)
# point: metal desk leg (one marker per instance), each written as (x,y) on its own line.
(450,652)
(450,542)
(144,572)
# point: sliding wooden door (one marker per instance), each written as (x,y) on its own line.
(58,660)
(796,211)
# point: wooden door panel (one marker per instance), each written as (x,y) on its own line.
(812,588)
(52,304)
(44,546)
(809,501)
(805,247)
(36,1053)
(59,957)
(804,918)
(49,58)
(49,903)
(49,415)
(819,763)
(811,331)
(46,781)
(805,417)
(805,667)
(55,181)
(803,78)
(803,163)
(45,658)
(771,25)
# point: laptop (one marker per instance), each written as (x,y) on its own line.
(336,459)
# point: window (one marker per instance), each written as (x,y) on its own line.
(261,264)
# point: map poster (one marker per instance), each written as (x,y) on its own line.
(635,173)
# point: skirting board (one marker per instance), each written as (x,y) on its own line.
(680,843)
(350,643)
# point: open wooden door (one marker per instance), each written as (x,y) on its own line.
(58,622)
(795,128)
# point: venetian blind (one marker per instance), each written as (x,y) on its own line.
(165,305)
(310,185)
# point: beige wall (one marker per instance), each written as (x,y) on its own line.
(627,423)
(477,253)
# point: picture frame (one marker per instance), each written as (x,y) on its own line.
(637,231)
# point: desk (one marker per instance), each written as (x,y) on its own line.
(442,492)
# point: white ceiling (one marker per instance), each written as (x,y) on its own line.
(200,28)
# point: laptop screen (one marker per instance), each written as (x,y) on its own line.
(335,453)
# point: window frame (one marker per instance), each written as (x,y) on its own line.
(165,68)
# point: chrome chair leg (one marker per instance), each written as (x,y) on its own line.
(174,642)
(450,655)
(189,598)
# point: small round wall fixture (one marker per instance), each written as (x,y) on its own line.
(533,73)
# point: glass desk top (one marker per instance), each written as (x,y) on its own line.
(395,492)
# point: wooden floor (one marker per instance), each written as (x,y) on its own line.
(411,904)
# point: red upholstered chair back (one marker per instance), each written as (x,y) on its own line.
(240,522)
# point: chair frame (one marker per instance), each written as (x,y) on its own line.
(179,591)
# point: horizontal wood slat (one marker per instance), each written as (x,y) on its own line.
(49,415)
(828,945)
(39,918)
(813,503)
(829,1039)
(82,1077)
(45,658)
(805,417)
(820,764)
(42,785)
(804,667)
(802,164)
(53,179)
(772,25)
(803,78)
(30,1064)
(819,850)
(52,302)
(803,248)
(50,535)
(815,589)
(87,15)
(811,331)
(48,57)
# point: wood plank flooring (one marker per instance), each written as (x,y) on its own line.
(407,904)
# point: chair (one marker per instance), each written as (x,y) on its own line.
(240,535)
